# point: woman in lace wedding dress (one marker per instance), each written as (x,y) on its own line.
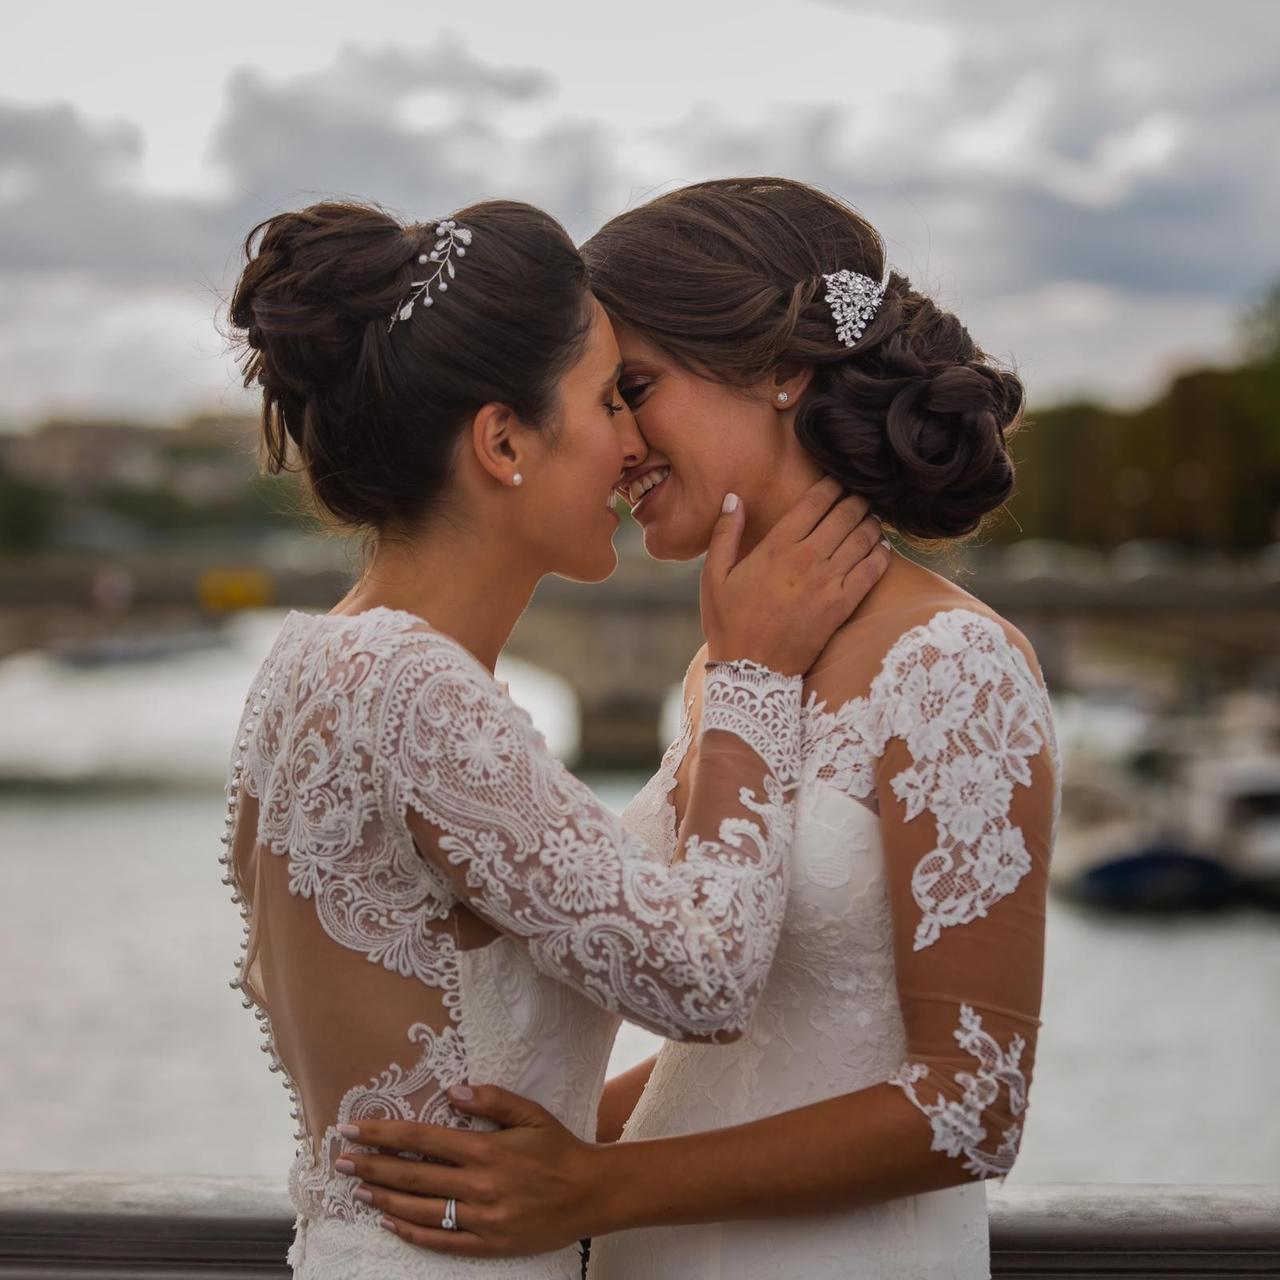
(885,1072)
(428,895)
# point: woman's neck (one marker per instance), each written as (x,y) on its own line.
(793,475)
(472,589)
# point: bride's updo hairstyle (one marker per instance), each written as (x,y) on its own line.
(726,277)
(373,411)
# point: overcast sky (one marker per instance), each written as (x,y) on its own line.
(1092,185)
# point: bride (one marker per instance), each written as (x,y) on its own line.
(883,1074)
(429,897)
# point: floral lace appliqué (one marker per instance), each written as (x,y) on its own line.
(963,699)
(958,1127)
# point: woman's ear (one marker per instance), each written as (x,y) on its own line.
(498,441)
(788,384)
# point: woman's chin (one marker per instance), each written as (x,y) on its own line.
(596,569)
(663,542)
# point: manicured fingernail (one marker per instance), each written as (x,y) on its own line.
(363,1193)
(349,1131)
(730,503)
(462,1093)
(387,1224)
(343,1165)
(886,544)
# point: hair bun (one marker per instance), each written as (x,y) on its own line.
(373,416)
(945,434)
(316,282)
(915,419)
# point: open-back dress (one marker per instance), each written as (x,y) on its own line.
(430,897)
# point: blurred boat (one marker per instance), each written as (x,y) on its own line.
(1160,874)
(1114,852)
(1204,836)
(1237,800)
(163,709)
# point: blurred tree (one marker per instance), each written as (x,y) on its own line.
(28,514)
(1199,466)
(1260,328)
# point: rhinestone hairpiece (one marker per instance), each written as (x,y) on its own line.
(450,239)
(853,298)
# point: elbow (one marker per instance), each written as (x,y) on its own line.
(720,1014)
(982,1140)
(716,1025)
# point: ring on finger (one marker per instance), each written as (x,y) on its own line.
(450,1220)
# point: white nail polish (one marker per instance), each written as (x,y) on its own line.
(730,503)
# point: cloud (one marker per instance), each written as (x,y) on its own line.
(1091,152)
(74,208)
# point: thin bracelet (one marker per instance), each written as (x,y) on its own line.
(711,663)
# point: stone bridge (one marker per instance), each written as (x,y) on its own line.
(623,643)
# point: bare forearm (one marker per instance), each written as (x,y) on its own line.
(857,1149)
(618,1100)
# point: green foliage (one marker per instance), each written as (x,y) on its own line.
(1260,328)
(28,513)
(264,503)
(1200,466)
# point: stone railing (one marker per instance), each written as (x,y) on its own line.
(118,1227)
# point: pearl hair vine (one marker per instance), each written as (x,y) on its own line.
(853,299)
(451,240)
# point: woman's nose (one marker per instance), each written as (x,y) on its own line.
(635,448)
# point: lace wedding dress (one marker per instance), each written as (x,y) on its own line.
(429,897)
(910,956)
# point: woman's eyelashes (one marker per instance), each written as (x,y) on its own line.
(613,409)
(634,388)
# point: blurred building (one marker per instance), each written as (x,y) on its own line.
(207,459)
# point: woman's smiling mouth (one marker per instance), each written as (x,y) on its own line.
(638,489)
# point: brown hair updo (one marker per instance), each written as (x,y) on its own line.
(726,276)
(374,413)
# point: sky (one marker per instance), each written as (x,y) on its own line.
(1090,185)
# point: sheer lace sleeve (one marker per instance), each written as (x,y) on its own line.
(682,949)
(967,786)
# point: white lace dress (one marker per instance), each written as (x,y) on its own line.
(429,897)
(910,956)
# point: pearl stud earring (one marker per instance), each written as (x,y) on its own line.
(783,397)
(517,478)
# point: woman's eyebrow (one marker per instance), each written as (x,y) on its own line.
(612,379)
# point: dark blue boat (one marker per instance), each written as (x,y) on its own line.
(1162,875)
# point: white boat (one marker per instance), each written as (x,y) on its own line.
(1235,802)
(166,714)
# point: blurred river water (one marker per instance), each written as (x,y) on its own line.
(123,1048)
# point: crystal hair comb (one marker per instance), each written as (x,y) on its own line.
(853,299)
(451,239)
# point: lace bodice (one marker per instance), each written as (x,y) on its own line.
(910,955)
(430,897)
